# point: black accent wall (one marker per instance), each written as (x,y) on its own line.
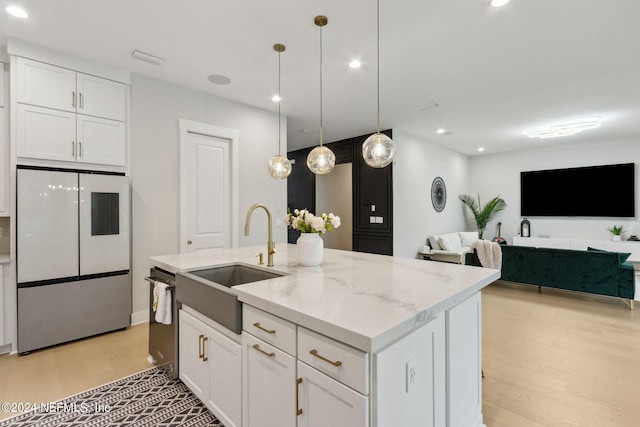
(370,187)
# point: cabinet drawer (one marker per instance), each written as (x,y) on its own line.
(346,364)
(271,329)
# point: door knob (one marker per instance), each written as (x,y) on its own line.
(189,242)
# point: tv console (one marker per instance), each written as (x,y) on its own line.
(627,246)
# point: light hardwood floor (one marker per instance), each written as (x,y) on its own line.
(559,358)
(550,359)
(61,371)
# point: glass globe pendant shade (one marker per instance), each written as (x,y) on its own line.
(279,167)
(378,150)
(321,160)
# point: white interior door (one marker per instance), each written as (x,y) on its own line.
(206,205)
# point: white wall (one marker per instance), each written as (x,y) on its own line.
(499,174)
(416,164)
(155,109)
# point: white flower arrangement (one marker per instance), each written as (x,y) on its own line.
(306,222)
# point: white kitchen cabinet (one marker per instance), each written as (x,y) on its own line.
(49,134)
(64,115)
(4,166)
(324,401)
(46,85)
(269,385)
(211,366)
(59,88)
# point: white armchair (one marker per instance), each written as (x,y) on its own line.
(451,247)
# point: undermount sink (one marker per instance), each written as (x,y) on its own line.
(209,291)
(235,274)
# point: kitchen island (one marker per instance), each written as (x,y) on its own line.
(392,341)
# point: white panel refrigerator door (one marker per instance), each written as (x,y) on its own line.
(104,223)
(47,225)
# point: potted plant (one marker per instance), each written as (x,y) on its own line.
(616,232)
(484,215)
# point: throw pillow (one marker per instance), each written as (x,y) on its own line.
(445,243)
(468,238)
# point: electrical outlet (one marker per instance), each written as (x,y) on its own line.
(411,374)
(373,208)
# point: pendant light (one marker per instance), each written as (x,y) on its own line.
(321,159)
(378,150)
(279,166)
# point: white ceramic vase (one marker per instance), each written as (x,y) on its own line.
(616,238)
(310,249)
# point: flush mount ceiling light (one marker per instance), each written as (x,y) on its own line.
(568,129)
(355,64)
(441,131)
(279,166)
(378,150)
(147,57)
(321,160)
(17,12)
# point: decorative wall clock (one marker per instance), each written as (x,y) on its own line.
(438,194)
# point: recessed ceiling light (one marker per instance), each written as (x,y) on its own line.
(355,64)
(276,98)
(441,131)
(567,129)
(17,11)
(219,79)
(480,149)
(499,3)
(306,132)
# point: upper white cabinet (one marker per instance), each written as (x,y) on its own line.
(64,115)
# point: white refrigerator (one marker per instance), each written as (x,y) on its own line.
(73,255)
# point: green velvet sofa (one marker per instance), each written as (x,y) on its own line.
(592,271)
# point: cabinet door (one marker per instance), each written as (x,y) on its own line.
(101,97)
(101,141)
(46,85)
(193,369)
(225,378)
(269,385)
(4,165)
(326,402)
(43,133)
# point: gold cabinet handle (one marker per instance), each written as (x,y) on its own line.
(73,148)
(257,347)
(269,331)
(298,409)
(200,351)
(314,352)
(81,104)
(204,348)
(73,98)
(80,149)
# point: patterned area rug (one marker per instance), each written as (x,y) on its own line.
(150,398)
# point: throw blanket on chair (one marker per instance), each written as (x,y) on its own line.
(489,253)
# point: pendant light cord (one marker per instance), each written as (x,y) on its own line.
(279,102)
(321,86)
(378,59)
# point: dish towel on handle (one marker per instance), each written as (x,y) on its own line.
(489,253)
(162,303)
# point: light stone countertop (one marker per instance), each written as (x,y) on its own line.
(367,301)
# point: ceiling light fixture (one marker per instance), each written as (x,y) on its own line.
(147,57)
(279,166)
(499,3)
(276,98)
(378,150)
(441,131)
(355,64)
(219,79)
(321,160)
(568,129)
(480,149)
(17,12)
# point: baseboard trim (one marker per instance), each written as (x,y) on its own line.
(139,317)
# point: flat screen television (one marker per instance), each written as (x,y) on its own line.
(595,191)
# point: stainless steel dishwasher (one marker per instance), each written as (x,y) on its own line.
(163,338)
